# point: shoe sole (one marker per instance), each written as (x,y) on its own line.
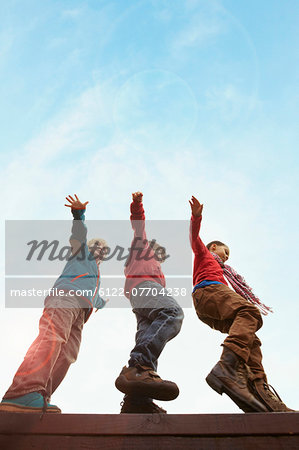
(220,388)
(7,407)
(154,391)
(141,411)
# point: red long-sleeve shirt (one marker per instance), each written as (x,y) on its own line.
(205,266)
(142,265)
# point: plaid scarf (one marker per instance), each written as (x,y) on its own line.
(240,285)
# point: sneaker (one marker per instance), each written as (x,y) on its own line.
(140,405)
(268,396)
(31,403)
(143,381)
(230,376)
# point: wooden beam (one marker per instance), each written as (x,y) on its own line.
(46,442)
(255,424)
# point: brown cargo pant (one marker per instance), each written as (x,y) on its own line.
(55,348)
(223,309)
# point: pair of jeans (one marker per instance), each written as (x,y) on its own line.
(53,351)
(225,310)
(159,319)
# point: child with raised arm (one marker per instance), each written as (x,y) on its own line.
(159,319)
(57,344)
(239,373)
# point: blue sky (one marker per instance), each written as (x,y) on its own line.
(174,98)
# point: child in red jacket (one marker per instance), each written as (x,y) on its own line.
(239,373)
(159,319)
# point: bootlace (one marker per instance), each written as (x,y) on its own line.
(149,370)
(273,394)
(158,408)
(153,374)
(45,405)
(241,371)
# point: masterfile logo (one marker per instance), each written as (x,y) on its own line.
(37,252)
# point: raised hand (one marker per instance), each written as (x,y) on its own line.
(196,207)
(75,204)
(137,196)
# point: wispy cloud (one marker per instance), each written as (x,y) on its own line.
(6,44)
(71,13)
(198,31)
(229,101)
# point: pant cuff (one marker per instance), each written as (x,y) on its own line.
(242,353)
(9,395)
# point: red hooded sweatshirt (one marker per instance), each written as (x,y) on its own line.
(141,265)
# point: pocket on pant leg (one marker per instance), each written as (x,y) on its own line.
(207,307)
(197,296)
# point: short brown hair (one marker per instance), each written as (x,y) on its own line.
(214,242)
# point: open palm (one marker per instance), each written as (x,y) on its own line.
(75,204)
(196,207)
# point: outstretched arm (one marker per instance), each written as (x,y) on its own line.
(79,230)
(195,241)
(138,217)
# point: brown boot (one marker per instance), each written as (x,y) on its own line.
(139,405)
(230,376)
(143,381)
(268,396)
